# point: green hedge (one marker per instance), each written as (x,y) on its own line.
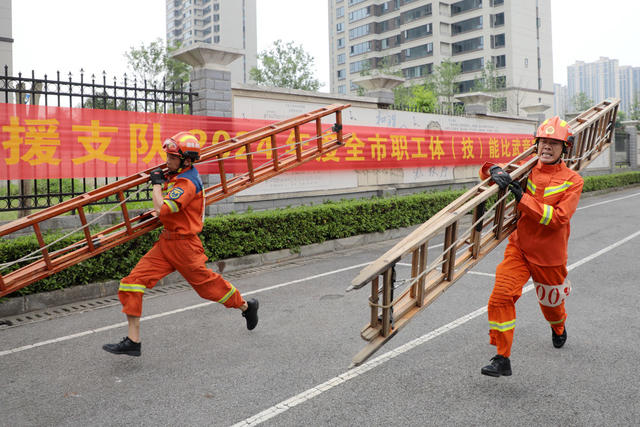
(236,235)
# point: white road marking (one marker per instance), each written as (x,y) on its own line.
(296,400)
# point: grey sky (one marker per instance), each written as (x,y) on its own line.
(67,35)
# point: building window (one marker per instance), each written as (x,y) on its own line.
(339,27)
(356,67)
(465,5)
(419,51)
(216,7)
(497,20)
(471,65)
(358,14)
(495,3)
(466,25)
(467,45)
(497,41)
(354,87)
(216,18)
(417,71)
(360,31)
(216,39)
(341,42)
(342,74)
(466,86)
(415,14)
(340,12)
(342,89)
(342,58)
(216,28)
(352,2)
(357,49)
(499,61)
(418,32)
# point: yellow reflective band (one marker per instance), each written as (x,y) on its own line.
(557,321)
(549,191)
(228,295)
(547,214)
(505,326)
(172,205)
(128,287)
(531,186)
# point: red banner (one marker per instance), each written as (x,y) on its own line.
(59,142)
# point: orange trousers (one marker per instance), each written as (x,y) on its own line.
(511,275)
(170,253)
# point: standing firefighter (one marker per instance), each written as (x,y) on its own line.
(538,247)
(179,248)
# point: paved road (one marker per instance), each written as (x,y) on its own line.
(200,366)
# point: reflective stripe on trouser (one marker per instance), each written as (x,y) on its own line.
(188,258)
(511,275)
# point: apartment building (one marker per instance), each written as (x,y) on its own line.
(605,78)
(414,36)
(225,23)
(6,39)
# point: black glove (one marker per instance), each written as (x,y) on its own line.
(500,177)
(516,190)
(157,177)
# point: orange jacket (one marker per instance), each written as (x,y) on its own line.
(549,202)
(183,205)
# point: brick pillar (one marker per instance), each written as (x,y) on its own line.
(630,127)
(211,79)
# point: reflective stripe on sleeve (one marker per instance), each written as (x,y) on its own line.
(173,206)
(547,214)
(504,326)
(128,287)
(531,186)
(549,191)
(228,295)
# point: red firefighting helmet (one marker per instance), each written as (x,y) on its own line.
(556,128)
(183,145)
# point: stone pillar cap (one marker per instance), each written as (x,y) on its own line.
(536,108)
(207,55)
(474,97)
(378,82)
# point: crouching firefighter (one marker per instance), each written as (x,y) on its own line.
(538,246)
(179,202)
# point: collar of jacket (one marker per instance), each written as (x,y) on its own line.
(543,167)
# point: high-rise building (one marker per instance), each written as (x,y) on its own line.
(414,36)
(603,79)
(598,80)
(6,39)
(560,100)
(225,23)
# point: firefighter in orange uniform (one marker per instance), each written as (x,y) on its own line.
(181,211)
(538,247)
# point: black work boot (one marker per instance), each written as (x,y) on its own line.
(559,340)
(126,346)
(500,366)
(251,313)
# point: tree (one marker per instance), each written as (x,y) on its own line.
(491,82)
(285,65)
(444,82)
(102,101)
(581,101)
(417,98)
(152,63)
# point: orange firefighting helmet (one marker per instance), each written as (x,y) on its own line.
(183,145)
(556,128)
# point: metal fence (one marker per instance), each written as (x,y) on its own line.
(92,92)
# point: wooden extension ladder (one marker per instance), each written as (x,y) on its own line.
(281,159)
(463,249)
